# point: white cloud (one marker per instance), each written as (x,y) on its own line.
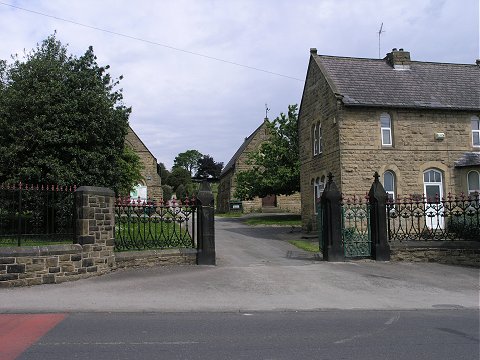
(181,101)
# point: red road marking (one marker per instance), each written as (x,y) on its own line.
(19,331)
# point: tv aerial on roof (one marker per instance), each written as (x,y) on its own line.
(379,37)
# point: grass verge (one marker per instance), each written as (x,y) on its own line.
(236,214)
(285,220)
(306,245)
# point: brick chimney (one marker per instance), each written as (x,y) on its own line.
(399,59)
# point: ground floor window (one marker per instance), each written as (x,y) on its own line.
(318,187)
(389,184)
(473,181)
(433,190)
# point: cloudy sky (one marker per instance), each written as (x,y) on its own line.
(198,73)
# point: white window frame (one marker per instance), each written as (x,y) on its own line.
(318,188)
(438,221)
(315,140)
(473,188)
(475,120)
(388,129)
(319,135)
(391,193)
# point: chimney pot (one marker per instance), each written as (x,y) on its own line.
(313,51)
(399,59)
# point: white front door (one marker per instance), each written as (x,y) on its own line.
(433,189)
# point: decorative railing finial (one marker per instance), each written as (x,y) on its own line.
(330,177)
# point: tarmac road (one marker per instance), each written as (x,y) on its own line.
(257,270)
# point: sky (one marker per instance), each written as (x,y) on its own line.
(198,73)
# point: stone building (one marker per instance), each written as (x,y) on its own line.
(415,123)
(151,184)
(226,188)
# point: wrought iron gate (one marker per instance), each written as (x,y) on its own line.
(356,237)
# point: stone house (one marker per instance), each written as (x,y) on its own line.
(416,123)
(226,187)
(151,184)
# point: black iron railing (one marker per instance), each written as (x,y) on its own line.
(31,215)
(434,219)
(141,225)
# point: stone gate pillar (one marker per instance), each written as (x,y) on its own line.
(206,226)
(378,220)
(332,222)
(95,226)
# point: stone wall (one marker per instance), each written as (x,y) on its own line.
(91,255)
(224,194)
(444,253)
(156,257)
(43,265)
(414,149)
(319,106)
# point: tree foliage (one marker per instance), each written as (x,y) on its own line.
(208,168)
(167,192)
(275,166)
(188,160)
(163,172)
(179,176)
(63,121)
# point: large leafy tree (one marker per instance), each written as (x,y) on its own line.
(179,176)
(63,120)
(275,166)
(188,160)
(207,167)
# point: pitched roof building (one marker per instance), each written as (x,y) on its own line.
(226,200)
(151,184)
(416,123)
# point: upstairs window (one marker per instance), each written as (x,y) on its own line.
(319,132)
(475,131)
(317,139)
(473,180)
(389,184)
(386,129)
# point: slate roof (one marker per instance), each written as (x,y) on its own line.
(231,164)
(468,159)
(373,82)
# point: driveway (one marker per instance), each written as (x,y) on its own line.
(257,270)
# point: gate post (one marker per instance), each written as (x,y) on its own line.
(332,222)
(205,226)
(378,220)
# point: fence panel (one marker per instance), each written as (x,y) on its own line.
(416,218)
(31,215)
(147,225)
